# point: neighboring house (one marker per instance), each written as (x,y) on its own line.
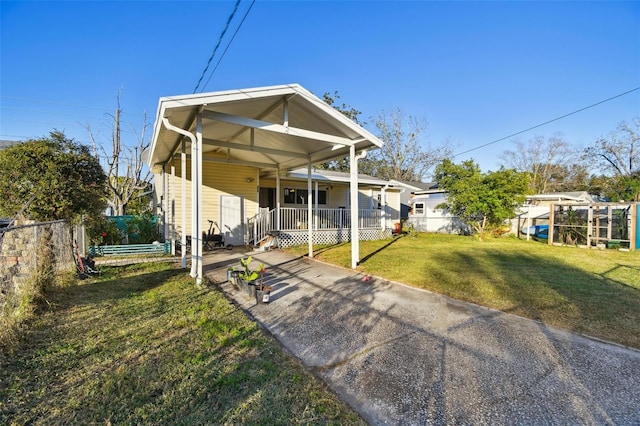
(234,157)
(425,215)
(559,197)
(408,190)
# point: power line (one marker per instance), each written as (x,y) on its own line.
(44,101)
(235,8)
(546,122)
(229,44)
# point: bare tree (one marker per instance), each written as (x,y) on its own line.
(547,160)
(620,152)
(618,157)
(404,156)
(126,174)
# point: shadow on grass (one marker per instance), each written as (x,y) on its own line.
(543,289)
(381,249)
(112,286)
(154,349)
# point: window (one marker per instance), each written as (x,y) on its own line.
(289,196)
(418,209)
(299,196)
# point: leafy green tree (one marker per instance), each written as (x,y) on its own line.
(60,177)
(481,200)
(615,188)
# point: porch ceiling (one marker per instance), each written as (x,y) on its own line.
(266,127)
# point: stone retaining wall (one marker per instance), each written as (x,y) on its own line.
(26,248)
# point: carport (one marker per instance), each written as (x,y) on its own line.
(275,128)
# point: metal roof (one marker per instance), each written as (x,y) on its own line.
(267,127)
(334,176)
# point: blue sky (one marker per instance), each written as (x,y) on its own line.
(476,71)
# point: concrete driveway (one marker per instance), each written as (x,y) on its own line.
(400,355)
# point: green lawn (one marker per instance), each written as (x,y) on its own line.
(143,345)
(587,291)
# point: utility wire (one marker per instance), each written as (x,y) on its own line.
(235,8)
(547,122)
(229,44)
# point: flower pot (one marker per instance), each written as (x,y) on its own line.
(244,285)
(262,296)
(233,277)
(249,287)
(252,289)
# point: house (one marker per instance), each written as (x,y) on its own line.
(231,157)
(378,207)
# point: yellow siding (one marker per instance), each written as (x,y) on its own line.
(218,180)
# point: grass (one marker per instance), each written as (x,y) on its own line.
(586,291)
(143,345)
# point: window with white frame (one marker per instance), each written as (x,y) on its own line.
(299,196)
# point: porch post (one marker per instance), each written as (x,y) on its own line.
(315,215)
(383,208)
(309,210)
(278,198)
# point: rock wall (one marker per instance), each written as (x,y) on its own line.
(27,248)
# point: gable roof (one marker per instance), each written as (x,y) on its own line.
(267,127)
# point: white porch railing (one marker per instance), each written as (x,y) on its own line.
(263,223)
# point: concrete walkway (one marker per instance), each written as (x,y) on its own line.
(400,355)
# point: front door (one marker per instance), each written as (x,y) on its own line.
(231,214)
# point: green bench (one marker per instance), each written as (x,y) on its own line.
(131,250)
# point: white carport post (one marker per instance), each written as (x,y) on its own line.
(196,163)
(165,201)
(196,200)
(183,225)
(353,193)
(173,209)
(309,210)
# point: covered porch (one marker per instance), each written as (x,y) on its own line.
(210,151)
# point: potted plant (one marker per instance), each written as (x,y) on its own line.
(233,276)
(248,276)
(263,292)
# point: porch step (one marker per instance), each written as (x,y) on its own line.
(269,243)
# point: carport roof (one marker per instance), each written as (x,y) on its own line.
(267,127)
